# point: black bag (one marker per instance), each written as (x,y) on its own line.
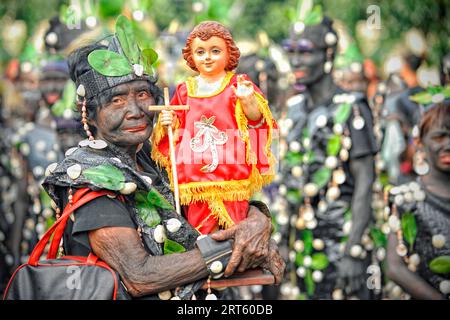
(69,277)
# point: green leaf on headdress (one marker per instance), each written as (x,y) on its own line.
(334,145)
(105,176)
(110,8)
(109,63)
(146,210)
(149,58)
(156,199)
(409,229)
(171,246)
(67,100)
(314,17)
(125,34)
(440,265)
(321,177)
(342,113)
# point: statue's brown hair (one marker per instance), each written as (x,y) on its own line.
(206,30)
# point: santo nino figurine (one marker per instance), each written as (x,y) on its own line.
(223,140)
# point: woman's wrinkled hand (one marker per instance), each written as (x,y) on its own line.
(274,262)
(251,241)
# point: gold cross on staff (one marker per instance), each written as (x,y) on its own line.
(168,107)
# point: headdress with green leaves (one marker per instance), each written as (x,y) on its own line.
(309,15)
(122,62)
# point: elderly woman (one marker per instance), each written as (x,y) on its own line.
(138,232)
(418,257)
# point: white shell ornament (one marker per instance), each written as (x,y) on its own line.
(338,128)
(438,241)
(70,151)
(358,122)
(317,276)
(51,38)
(321,121)
(343,155)
(401,250)
(338,294)
(147,179)
(159,234)
(297,171)
(173,225)
(211,296)
(311,189)
(444,286)
(312,224)
(81,91)
(331,162)
(330,38)
(333,193)
(216,267)
(128,188)
(355,251)
(308,213)
(51,168)
(97,144)
(347,142)
(83,143)
(307,261)
(294,146)
(299,246)
(138,69)
(301,272)
(339,176)
(74,171)
(165,295)
(318,244)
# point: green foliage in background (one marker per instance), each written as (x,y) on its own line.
(247,17)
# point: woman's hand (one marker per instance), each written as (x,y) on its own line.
(167,118)
(251,241)
(274,262)
(246,95)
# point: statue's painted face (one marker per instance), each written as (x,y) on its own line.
(210,56)
(437,147)
(125,120)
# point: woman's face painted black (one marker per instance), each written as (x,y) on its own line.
(437,147)
(125,120)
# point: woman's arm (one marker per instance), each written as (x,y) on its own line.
(409,281)
(143,274)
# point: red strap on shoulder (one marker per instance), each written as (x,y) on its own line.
(81,197)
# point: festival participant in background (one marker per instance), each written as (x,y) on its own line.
(418,250)
(136,230)
(223,143)
(328,170)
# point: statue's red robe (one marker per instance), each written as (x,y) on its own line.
(244,162)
